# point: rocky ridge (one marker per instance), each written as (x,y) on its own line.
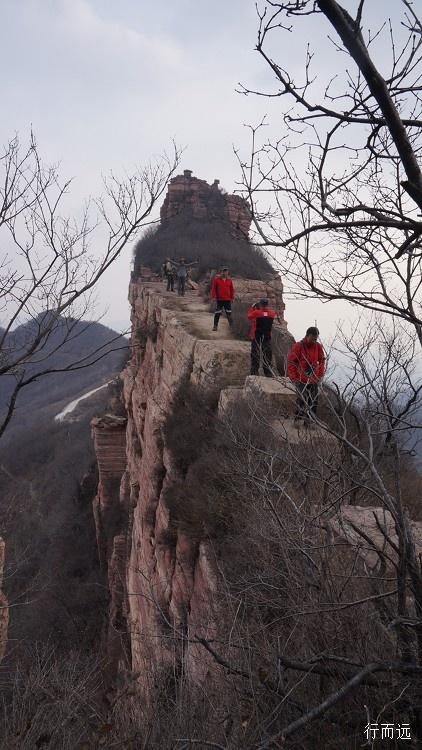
(158,582)
(164,584)
(201,200)
(135,469)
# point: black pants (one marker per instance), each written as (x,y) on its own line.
(170,282)
(181,281)
(226,305)
(307,399)
(258,347)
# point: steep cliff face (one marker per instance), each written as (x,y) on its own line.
(171,579)
(161,581)
(111,509)
(164,583)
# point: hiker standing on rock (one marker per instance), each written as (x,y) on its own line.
(168,273)
(223,292)
(262,318)
(182,271)
(305,368)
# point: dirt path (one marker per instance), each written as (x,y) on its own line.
(196,316)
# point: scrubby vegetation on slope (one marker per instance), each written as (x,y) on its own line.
(212,242)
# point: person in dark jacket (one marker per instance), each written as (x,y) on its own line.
(262,318)
(305,368)
(168,273)
(223,292)
(182,273)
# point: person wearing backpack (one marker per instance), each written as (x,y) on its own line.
(306,368)
(262,318)
(168,273)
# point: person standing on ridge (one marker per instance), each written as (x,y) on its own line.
(182,269)
(305,368)
(168,273)
(223,292)
(262,318)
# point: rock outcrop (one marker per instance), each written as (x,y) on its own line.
(188,194)
(111,509)
(366,530)
(160,581)
(164,582)
(169,577)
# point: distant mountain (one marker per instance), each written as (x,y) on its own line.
(99,351)
(47,483)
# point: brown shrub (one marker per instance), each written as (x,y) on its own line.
(189,427)
(200,505)
(211,242)
(198,502)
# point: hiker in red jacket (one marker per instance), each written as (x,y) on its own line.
(305,368)
(223,292)
(262,318)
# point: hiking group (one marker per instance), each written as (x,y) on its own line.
(177,269)
(306,358)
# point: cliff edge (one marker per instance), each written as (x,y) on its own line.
(160,579)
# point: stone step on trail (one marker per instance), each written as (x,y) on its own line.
(276,398)
(218,359)
(274,395)
(198,318)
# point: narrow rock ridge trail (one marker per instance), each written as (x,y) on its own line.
(138,542)
(197,316)
(227,364)
(152,563)
(278,394)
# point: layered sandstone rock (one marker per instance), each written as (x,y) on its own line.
(111,508)
(164,582)
(203,201)
(171,581)
(160,579)
(252,290)
(357,525)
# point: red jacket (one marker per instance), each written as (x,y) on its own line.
(262,322)
(222,289)
(306,362)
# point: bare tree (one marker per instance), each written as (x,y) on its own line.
(321,611)
(48,266)
(342,183)
(304,577)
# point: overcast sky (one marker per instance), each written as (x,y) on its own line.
(106,85)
